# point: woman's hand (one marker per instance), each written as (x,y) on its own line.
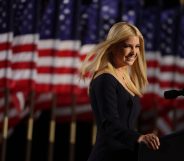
(151,140)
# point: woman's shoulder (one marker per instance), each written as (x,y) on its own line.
(104,77)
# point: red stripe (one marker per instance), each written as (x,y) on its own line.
(165,84)
(22,85)
(59,70)
(24,48)
(58,53)
(5,46)
(5,82)
(63,88)
(23,65)
(152,64)
(164,68)
(5,63)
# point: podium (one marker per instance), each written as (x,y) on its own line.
(171,149)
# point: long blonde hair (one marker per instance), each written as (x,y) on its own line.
(100,57)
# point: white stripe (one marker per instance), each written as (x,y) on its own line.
(86,48)
(25,57)
(21,100)
(25,39)
(59,44)
(165,76)
(6,55)
(84,84)
(5,73)
(163,126)
(152,55)
(43,97)
(20,74)
(180,62)
(66,111)
(162,60)
(58,79)
(6,37)
(58,62)
(155,88)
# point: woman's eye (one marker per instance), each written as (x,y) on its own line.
(126,46)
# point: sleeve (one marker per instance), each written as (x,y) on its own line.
(105,92)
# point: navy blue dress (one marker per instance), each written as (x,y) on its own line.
(116,112)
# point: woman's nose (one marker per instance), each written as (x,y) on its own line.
(133,50)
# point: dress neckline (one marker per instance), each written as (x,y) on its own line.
(116,81)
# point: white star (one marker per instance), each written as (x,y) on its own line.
(66,11)
(170,21)
(149,35)
(47,32)
(61,17)
(168,50)
(66,1)
(62,28)
(150,25)
(169,31)
(93,37)
(105,8)
(125,18)
(30,16)
(148,45)
(4,14)
(84,15)
(4,25)
(112,21)
(131,13)
(106,17)
(106,27)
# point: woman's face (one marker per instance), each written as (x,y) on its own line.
(126,52)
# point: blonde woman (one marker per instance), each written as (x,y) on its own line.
(118,69)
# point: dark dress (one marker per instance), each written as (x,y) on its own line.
(116,112)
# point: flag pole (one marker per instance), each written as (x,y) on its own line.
(94,126)
(52,128)
(30,126)
(94,131)
(73,126)
(73,123)
(52,125)
(5,125)
(32,92)
(6,90)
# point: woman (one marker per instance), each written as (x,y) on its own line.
(118,69)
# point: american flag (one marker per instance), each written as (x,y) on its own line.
(16,100)
(24,44)
(5,44)
(58,49)
(42,49)
(159,29)
(110,14)
(58,62)
(89,29)
(130,10)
